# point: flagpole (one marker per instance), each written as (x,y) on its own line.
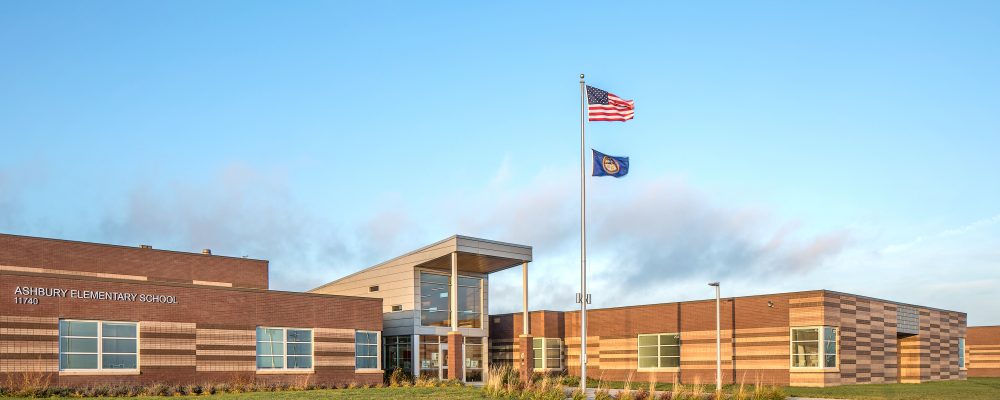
(583,238)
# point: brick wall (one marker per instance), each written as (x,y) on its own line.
(755,339)
(208,336)
(982,351)
(41,255)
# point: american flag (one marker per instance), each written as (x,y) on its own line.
(604,106)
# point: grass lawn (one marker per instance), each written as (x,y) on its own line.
(443,393)
(972,389)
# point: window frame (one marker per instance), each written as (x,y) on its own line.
(284,341)
(659,356)
(963,362)
(821,340)
(378,351)
(544,355)
(100,370)
(398,345)
(482,292)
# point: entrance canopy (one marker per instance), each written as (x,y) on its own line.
(474,255)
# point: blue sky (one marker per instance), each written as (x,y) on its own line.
(777,146)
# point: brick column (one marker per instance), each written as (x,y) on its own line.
(527,367)
(456,356)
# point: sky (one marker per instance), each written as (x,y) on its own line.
(777,146)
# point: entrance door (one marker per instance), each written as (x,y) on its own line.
(443,356)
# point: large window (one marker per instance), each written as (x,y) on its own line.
(547,352)
(284,348)
(470,302)
(430,355)
(97,345)
(399,353)
(366,350)
(473,359)
(435,305)
(961,352)
(661,350)
(814,347)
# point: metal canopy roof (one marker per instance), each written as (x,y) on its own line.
(476,255)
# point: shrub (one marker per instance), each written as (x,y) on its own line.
(399,378)
(602,394)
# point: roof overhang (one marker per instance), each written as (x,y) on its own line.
(476,255)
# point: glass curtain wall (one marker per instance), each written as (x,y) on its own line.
(470,302)
(435,306)
(399,353)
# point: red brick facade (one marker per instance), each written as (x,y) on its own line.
(982,351)
(202,333)
(755,339)
(33,254)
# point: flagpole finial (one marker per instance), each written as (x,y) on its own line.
(581,76)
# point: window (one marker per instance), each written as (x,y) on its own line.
(547,352)
(435,306)
(98,345)
(373,288)
(430,355)
(473,359)
(661,350)
(961,352)
(397,307)
(366,350)
(814,347)
(470,302)
(434,303)
(399,353)
(284,348)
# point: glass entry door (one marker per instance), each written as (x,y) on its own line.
(443,371)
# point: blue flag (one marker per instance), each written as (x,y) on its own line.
(605,165)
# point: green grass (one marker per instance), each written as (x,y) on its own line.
(443,393)
(971,389)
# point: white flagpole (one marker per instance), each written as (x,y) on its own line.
(583,238)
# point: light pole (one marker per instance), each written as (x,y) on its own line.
(718,343)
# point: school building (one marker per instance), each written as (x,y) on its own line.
(984,351)
(87,313)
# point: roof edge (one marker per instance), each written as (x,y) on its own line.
(120,246)
(749,296)
(418,250)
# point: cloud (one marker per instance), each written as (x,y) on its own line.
(643,234)
(8,199)
(541,213)
(15,182)
(237,211)
(942,235)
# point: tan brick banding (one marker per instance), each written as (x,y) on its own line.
(755,340)
(209,335)
(65,257)
(210,283)
(72,273)
(503,351)
(166,344)
(219,350)
(29,344)
(334,347)
(982,351)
